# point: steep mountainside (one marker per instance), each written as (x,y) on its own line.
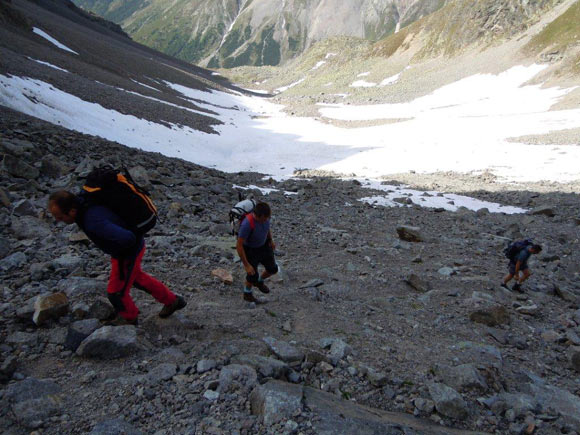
(259,32)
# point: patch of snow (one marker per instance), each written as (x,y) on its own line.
(49,38)
(285,88)
(49,65)
(318,65)
(145,86)
(390,80)
(364,74)
(362,84)
(329,55)
(263,190)
(430,199)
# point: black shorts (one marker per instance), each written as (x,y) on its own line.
(263,255)
(512,267)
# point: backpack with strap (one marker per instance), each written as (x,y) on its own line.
(241,211)
(117,191)
(514,248)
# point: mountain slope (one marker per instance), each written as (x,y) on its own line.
(258,32)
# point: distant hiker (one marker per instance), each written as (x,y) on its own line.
(111,235)
(255,246)
(518,254)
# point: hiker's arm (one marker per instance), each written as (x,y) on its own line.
(101,225)
(240,248)
(271,241)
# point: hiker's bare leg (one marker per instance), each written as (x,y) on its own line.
(508,278)
(266,274)
(525,276)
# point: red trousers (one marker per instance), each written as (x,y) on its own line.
(127,273)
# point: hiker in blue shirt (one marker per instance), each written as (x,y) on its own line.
(519,263)
(255,246)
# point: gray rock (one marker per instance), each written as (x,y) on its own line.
(29,227)
(265,367)
(336,416)
(424,405)
(566,294)
(101,309)
(284,351)
(19,168)
(162,372)
(446,271)
(410,234)
(211,395)
(78,331)
(51,166)
(68,262)
(376,378)
(26,310)
(312,283)
(461,377)
(49,307)
(7,368)
(13,261)
(339,350)
(114,427)
(575,360)
(276,401)
(530,310)
(235,377)
(417,283)
(24,208)
(491,316)
(34,401)
(22,338)
(562,401)
(205,365)
(448,402)
(544,210)
(110,342)
(77,286)
(4,247)
(481,355)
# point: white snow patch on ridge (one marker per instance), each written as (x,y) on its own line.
(52,40)
(431,199)
(48,64)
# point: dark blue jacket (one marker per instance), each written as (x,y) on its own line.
(108,231)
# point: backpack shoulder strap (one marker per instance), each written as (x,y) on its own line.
(251,221)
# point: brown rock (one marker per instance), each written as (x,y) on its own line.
(491,316)
(410,234)
(49,306)
(223,275)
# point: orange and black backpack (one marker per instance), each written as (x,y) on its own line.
(116,190)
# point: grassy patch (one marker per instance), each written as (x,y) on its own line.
(560,33)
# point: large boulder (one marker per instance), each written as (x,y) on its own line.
(19,168)
(283,350)
(276,400)
(461,377)
(30,227)
(264,366)
(34,401)
(78,331)
(114,427)
(235,376)
(448,402)
(110,342)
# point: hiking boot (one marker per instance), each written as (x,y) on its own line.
(120,321)
(263,287)
(249,297)
(504,285)
(168,310)
(517,288)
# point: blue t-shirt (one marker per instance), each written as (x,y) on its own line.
(254,238)
(523,256)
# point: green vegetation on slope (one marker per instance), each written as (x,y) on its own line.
(561,33)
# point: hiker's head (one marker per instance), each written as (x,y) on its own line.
(535,249)
(262,212)
(63,206)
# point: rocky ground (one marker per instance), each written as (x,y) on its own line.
(369,328)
